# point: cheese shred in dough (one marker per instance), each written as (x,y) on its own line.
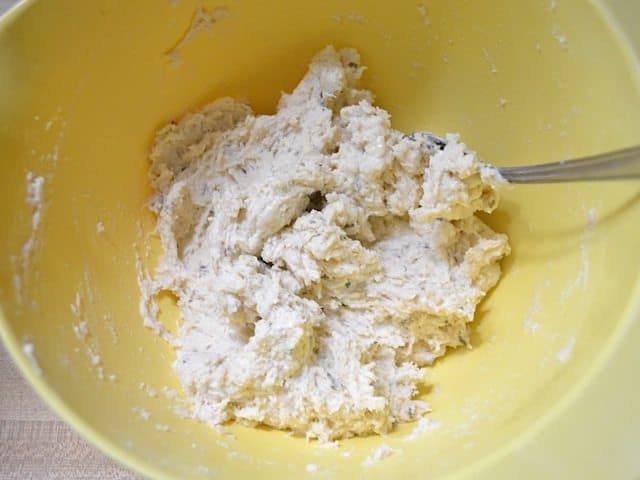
(320,258)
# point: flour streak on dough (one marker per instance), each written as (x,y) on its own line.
(320,258)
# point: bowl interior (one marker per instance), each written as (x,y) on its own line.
(83,86)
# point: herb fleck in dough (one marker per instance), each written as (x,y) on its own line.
(320,258)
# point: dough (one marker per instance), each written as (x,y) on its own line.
(320,259)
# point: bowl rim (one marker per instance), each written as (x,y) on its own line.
(511,456)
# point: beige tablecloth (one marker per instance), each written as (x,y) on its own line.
(34,443)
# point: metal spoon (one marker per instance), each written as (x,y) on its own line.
(618,165)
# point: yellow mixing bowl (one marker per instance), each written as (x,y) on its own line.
(550,389)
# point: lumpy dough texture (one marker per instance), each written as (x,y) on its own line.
(320,259)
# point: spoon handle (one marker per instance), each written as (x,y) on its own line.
(618,165)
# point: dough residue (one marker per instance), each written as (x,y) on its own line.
(202,21)
(320,258)
(380,453)
(564,354)
(29,351)
(21,268)
(424,425)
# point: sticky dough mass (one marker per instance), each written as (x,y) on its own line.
(320,258)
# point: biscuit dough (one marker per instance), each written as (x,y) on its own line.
(320,259)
